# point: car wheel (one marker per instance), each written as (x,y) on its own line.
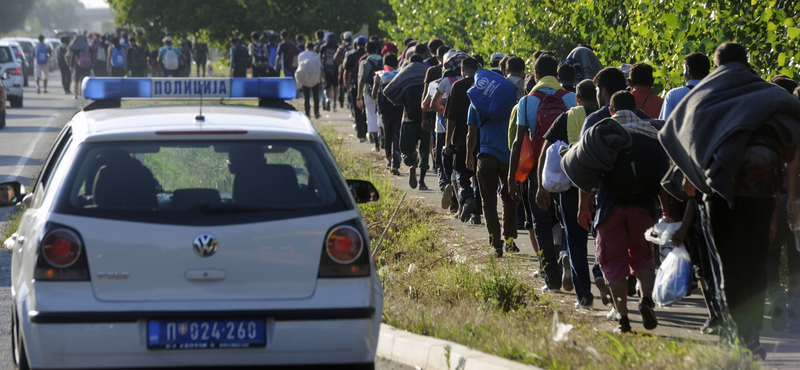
(16,101)
(18,353)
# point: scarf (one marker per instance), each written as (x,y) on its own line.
(635,125)
(549,82)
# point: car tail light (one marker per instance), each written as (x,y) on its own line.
(61,256)
(14,71)
(345,253)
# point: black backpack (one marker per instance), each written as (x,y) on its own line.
(138,58)
(369,76)
(242,57)
(635,177)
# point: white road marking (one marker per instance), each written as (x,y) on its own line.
(23,160)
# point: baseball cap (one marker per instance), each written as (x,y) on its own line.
(165,39)
(347,35)
(361,40)
(496,57)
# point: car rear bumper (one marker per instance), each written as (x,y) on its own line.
(110,345)
(13,90)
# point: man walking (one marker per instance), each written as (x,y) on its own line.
(63,65)
(696,67)
(287,52)
(168,57)
(351,63)
(371,64)
(240,59)
(259,55)
(43,54)
(137,59)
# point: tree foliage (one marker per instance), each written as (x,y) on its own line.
(53,14)
(659,32)
(217,20)
(13,14)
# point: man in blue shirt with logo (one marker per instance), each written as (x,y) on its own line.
(43,53)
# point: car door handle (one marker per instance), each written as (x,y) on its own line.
(205,275)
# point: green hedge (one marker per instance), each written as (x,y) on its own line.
(659,32)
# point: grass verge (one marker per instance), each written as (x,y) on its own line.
(436,283)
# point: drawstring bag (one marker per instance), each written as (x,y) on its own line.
(553,177)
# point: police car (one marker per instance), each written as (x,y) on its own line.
(165,236)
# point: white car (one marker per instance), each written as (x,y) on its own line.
(161,236)
(11,67)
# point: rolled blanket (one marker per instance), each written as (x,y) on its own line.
(412,75)
(585,161)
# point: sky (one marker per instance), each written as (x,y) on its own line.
(94,3)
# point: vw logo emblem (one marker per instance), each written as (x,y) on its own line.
(205,245)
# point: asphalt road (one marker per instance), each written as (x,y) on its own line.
(24,144)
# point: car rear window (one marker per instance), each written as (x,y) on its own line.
(202,182)
(5,54)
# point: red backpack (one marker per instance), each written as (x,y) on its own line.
(550,107)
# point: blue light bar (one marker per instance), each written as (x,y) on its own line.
(105,88)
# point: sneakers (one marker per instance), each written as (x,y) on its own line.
(649,320)
(624,326)
(361,140)
(539,273)
(475,220)
(422,186)
(447,196)
(469,207)
(547,289)
(566,273)
(412,177)
(510,246)
(376,150)
(613,314)
(605,292)
(395,172)
(585,304)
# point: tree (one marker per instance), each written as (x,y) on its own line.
(13,14)
(217,20)
(53,14)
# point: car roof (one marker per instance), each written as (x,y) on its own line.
(178,122)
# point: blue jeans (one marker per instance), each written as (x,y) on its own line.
(543,228)
(576,239)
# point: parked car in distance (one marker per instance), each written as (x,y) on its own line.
(27,45)
(13,72)
(54,44)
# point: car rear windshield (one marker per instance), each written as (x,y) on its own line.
(5,54)
(203,183)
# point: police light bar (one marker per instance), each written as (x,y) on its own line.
(111,88)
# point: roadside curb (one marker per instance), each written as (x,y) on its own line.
(436,354)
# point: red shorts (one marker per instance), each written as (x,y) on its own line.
(621,247)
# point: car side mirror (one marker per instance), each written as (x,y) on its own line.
(363,191)
(11,193)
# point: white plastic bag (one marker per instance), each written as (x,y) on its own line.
(553,177)
(673,278)
(661,233)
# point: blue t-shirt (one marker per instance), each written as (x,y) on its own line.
(674,97)
(493,134)
(531,105)
(41,53)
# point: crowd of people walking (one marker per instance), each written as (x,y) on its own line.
(573,148)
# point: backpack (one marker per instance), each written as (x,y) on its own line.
(170,60)
(85,57)
(385,107)
(138,59)
(290,54)
(550,107)
(41,54)
(260,56)
(341,52)
(492,95)
(368,78)
(241,58)
(117,57)
(101,53)
(634,177)
(329,58)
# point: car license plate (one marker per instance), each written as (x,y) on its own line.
(206,334)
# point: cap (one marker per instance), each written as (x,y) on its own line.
(361,40)
(448,55)
(165,39)
(496,57)
(347,35)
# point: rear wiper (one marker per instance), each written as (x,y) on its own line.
(206,208)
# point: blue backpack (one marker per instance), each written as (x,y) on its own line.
(117,58)
(492,95)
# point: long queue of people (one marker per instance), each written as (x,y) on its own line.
(120,55)
(716,156)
